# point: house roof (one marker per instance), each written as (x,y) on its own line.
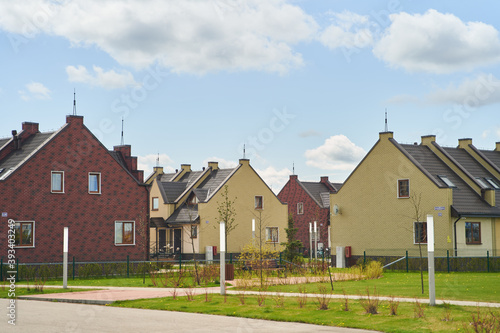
(28,148)
(185,214)
(466,201)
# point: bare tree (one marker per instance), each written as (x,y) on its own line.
(420,234)
(227,212)
(191,237)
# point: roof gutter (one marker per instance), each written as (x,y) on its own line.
(455,234)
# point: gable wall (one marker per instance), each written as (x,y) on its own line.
(372,218)
(26,196)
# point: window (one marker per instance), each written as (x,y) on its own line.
(272,234)
(493,183)
(155,203)
(403,188)
(481,182)
(25,234)
(447,181)
(124,232)
(57,181)
(259,202)
(194,231)
(6,173)
(94,183)
(300,208)
(420,232)
(473,232)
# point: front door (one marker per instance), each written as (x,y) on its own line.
(162,240)
(177,240)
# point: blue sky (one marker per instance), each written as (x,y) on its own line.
(297,82)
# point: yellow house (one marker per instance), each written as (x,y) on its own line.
(383,204)
(184,216)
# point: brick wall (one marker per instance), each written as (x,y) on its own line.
(26,196)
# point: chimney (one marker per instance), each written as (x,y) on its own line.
(294,177)
(385,135)
(464,143)
(244,161)
(428,139)
(71,119)
(186,167)
(324,179)
(497,146)
(213,165)
(30,128)
(158,170)
(15,140)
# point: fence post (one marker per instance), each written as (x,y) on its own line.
(448,259)
(1,269)
(74,267)
(128,265)
(230,258)
(280,258)
(406,261)
(17,269)
(364,258)
(488,260)
(180,261)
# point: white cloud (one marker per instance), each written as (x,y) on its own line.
(437,43)
(223,164)
(349,30)
(147,162)
(309,133)
(35,90)
(482,90)
(402,99)
(100,78)
(185,36)
(337,153)
(275,179)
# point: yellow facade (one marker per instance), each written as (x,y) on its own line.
(372,218)
(243,185)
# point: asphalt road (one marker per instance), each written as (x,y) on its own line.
(41,317)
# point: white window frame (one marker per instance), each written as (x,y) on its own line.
(98,174)
(445,179)
(398,189)
(415,233)
(52,173)
(492,183)
(268,234)
(133,235)
(262,202)
(300,208)
(157,202)
(33,235)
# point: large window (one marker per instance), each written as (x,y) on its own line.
(300,208)
(155,203)
(403,188)
(272,234)
(94,183)
(259,202)
(473,232)
(124,233)
(57,182)
(25,233)
(420,232)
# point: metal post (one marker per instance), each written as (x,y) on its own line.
(1,269)
(253,231)
(448,259)
(315,242)
(128,265)
(74,267)
(364,258)
(406,261)
(65,258)
(430,251)
(17,270)
(488,260)
(222,278)
(310,241)
(180,261)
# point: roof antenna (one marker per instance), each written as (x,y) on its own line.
(386,127)
(244,152)
(158,159)
(122,133)
(293,168)
(74,102)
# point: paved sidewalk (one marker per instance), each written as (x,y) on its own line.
(107,295)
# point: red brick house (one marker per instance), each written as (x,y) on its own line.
(309,202)
(67,178)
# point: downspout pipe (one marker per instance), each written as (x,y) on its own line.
(455,234)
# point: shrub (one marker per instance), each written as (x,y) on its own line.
(373,270)
(419,310)
(323,298)
(483,322)
(370,304)
(393,307)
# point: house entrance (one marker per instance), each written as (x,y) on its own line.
(162,241)
(177,236)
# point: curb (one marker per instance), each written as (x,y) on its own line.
(65,300)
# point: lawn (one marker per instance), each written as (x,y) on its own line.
(122,282)
(435,319)
(481,287)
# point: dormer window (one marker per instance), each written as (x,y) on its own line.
(5,173)
(447,181)
(193,200)
(481,182)
(493,183)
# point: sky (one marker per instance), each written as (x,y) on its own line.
(303,85)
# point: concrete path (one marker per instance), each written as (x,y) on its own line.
(44,317)
(108,295)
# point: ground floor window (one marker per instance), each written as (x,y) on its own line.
(420,232)
(272,234)
(25,233)
(124,232)
(194,231)
(473,232)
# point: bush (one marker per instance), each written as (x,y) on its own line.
(373,270)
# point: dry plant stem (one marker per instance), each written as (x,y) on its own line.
(419,310)
(190,294)
(370,304)
(393,306)
(323,298)
(346,301)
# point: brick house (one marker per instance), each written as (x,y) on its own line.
(67,178)
(309,202)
